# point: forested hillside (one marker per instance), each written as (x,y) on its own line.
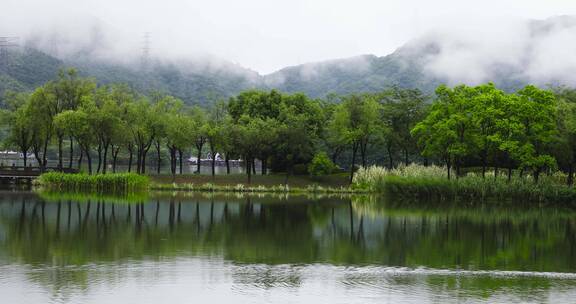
(423,63)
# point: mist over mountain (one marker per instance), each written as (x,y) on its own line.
(511,55)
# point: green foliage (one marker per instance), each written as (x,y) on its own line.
(467,121)
(321,165)
(99,183)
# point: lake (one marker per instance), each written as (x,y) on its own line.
(283,249)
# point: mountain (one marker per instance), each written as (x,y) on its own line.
(195,83)
(540,52)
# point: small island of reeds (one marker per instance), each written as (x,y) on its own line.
(98,183)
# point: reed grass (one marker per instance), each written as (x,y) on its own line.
(430,183)
(99,183)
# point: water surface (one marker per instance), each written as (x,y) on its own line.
(229,249)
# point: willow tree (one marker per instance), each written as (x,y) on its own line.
(68,91)
(78,124)
(19,123)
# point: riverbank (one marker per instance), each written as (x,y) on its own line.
(273,183)
(269,180)
(130,182)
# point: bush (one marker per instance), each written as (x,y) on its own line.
(321,165)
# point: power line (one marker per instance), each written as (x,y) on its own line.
(146,50)
(7,43)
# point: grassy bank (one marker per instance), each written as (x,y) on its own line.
(272,183)
(99,183)
(270,180)
(431,183)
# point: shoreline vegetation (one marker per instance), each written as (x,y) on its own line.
(116,183)
(126,183)
(412,182)
(431,183)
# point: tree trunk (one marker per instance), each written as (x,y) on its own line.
(25,154)
(173,162)
(484,163)
(71,153)
(199,155)
(537,175)
(264,165)
(99,150)
(105,159)
(89,159)
(144,157)
(80,158)
(390,159)
(570,180)
(406,156)
(288,171)
(227,164)
(354,149)
(60,163)
(44,155)
(448,166)
(213,164)
(139,159)
(335,154)
(510,173)
(253,165)
(159,157)
(131,152)
(363,146)
(114,158)
(458,173)
(249,169)
(180,155)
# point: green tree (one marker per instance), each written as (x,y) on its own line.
(20,122)
(355,121)
(78,124)
(566,125)
(448,131)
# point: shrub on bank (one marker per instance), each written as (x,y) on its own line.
(321,165)
(99,183)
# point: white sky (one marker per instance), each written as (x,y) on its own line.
(266,35)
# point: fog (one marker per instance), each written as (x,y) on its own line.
(475,38)
(542,52)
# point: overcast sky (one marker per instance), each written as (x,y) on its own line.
(266,35)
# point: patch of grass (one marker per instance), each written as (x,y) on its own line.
(99,183)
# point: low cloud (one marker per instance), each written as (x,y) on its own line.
(541,52)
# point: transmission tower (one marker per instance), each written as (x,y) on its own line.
(146,50)
(6,43)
